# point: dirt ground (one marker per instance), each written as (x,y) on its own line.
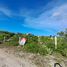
(13,57)
(10,60)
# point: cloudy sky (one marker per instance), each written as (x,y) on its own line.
(39,17)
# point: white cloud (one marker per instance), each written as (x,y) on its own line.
(62,10)
(5,11)
(56,14)
(55,18)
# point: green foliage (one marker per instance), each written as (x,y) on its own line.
(62,48)
(60,33)
(5,34)
(1,37)
(35,48)
(43,50)
(32,48)
(42,45)
(32,39)
(14,40)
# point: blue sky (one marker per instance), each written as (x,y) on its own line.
(39,17)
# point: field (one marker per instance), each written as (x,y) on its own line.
(40,50)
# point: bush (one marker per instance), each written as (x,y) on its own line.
(35,48)
(62,48)
(1,37)
(43,50)
(13,41)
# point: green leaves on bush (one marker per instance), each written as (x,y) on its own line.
(35,48)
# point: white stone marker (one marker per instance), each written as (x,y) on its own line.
(4,39)
(55,42)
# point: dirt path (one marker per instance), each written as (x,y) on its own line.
(12,57)
(9,60)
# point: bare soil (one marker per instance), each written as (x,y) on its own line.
(15,57)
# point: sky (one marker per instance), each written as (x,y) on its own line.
(39,17)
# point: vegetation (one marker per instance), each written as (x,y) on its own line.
(62,42)
(41,45)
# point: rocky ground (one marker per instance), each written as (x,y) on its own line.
(14,57)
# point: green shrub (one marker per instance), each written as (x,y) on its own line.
(34,48)
(43,50)
(62,48)
(11,43)
(1,37)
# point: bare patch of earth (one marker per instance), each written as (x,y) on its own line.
(15,57)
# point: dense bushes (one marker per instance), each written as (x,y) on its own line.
(62,48)
(1,37)
(62,43)
(31,48)
(36,48)
(13,41)
(42,45)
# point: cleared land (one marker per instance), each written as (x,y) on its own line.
(14,57)
(10,60)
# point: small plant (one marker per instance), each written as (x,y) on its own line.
(33,48)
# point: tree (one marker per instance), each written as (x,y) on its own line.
(61,34)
